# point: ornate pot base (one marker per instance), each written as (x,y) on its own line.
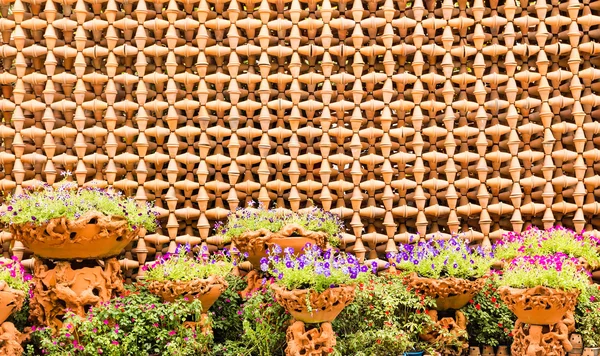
(10,340)
(73,286)
(455,338)
(312,342)
(539,340)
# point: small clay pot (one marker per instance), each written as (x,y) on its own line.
(449,293)
(488,351)
(577,343)
(92,236)
(474,351)
(11,300)
(503,351)
(326,306)
(207,290)
(539,305)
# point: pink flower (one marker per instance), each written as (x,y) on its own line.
(172,332)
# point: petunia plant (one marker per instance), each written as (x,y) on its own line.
(251,219)
(558,271)
(185,265)
(314,269)
(44,203)
(443,258)
(13,273)
(534,241)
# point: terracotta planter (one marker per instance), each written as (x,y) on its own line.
(591,351)
(92,236)
(11,300)
(257,243)
(449,293)
(206,290)
(326,306)
(539,305)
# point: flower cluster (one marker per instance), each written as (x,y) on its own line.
(314,269)
(13,273)
(557,271)
(185,265)
(44,203)
(251,219)
(437,258)
(534,241)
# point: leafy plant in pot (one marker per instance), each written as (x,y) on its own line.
(186,274)
(255,231)
(448,271)
(67,222)
(540,290)
(534,241)
(315,286)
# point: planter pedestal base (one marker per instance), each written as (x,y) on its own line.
(200,327)
(254,280)
(10,340)
(455,335)
(72,286)
(312,342)
(534,340)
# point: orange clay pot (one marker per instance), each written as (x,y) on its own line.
(207,290)
(11,300)
(449,293)
(326,306)
(92,236)
(539,305)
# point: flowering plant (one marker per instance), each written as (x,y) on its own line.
(45,203)
(315,269)
(250,219)
(558,271)
(534,241)
(439,258)
(180,266)
(587,316)
(13,273)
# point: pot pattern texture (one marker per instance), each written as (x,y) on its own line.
(69,286)
(325,306)
(313,342)
(539,305)
(449,293)
(535,340)
(93,235)
(206,290)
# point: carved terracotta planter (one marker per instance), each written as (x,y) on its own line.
(449,293)
(206,290)
(92,236)
(257,243)
(539,305)
(11,300)
(326,306)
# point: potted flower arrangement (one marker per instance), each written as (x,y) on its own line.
(68,222)
(14,286)
(540,290)
(448,271)
(315,286)
(534,241)
(587,320)
(179,275)
(255,231)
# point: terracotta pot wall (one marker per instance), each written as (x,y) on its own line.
(432,117)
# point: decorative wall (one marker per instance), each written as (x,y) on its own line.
(433,117)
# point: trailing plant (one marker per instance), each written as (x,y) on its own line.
(534,241)
(135,324)
(185,265)
(264,323)
(250,219)
(557,271)
(587,316)
(13,273)
(314,269)
(490,320)
(44,203)
(437,258)
(385,318)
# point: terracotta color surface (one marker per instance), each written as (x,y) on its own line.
(449,293)
(534,340)
(11,300)
(313,342)
(400,116)
(92,236)
(326,306)
(206,290)
(539,305)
